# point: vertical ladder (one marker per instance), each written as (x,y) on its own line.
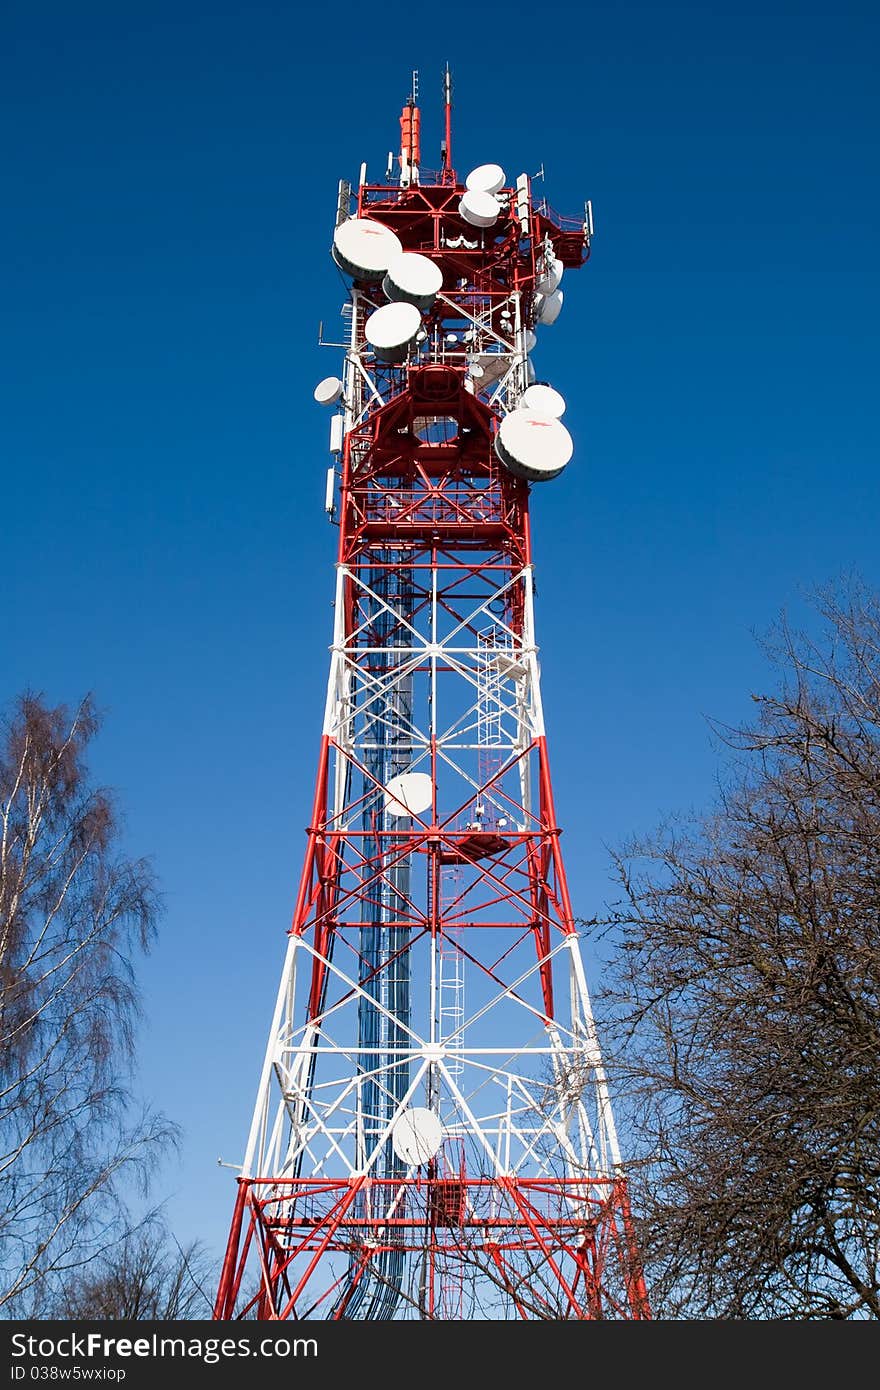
(449,1268)
(490,748)
(450,973)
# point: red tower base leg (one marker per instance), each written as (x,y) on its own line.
(533,1249)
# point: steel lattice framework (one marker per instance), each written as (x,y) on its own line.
(433,959)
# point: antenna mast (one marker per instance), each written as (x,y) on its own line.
(446,147)
(433,1135)
(410,122)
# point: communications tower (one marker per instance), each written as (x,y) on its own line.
(433,1136)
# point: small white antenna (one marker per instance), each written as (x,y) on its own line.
(540,173)
(390,170)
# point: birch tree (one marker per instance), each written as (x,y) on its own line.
(75,914)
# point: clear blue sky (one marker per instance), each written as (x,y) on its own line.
(169,193)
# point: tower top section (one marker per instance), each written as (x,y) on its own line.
(486,201)
(451,280)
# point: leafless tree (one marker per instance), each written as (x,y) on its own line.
(74,914)
(148,1276)
(744,998)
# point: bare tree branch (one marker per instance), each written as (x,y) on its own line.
(74,914)
(743,1001)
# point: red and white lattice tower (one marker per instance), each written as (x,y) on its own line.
(433,1136)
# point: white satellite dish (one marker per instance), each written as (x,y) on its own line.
(531,338)
(417,1136)
(480,209)
(328,391)
(363,248)
(532,446)
(413,278)
(550,307)
(488,178)
(408,794)
(544,400)
(391,329)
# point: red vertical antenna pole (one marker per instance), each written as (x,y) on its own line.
(410,122)
(446,154)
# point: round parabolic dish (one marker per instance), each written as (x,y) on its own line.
(413,279)
(550,308)
(479,209)
(408,794)
(417,1136)
(328,391)
(488,178)
(364,248)
(531,338)
(544,400)
(391,329)
(533,446)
